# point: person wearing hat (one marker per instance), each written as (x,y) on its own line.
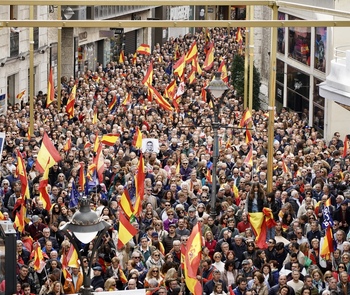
(97,281)
(247,269)
(170,238)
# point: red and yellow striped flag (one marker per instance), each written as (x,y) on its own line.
(44,196)
(246,118)
(125,204)
(209,60)
(139,185)
(48,155)
(137,140)
(192,260)
(71,103)
(38,257)
(109,139)
(144,49)
(249,158)
(21,172)
(68,145)
(121,57)
(126,231)
(21,94)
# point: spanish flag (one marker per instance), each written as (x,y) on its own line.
(223,70)
(284,167)
(121,57)
(127,99)
(100,163)
(159,99)
(82,180)
(122,275)
(139,185)
(71,102)
(179,66)
(38,257)
(126,231)
(239,38)
(48,155)
(192,52)
(137,140)
(327,243)
(22,174)
(134,59)
(68,145)
(148,78)
(249,158)
(126,206)
(19,222)
(192,260)
(144,49)
(109,139)
(195,65)
(209,60)
(50,89)
(248,136)
(43,183)
(192,76)
(246,118)
(259,222)
(170,90)
(21,94)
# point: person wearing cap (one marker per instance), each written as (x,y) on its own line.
(97,281)
(170,238)
(343,216)
(247,269)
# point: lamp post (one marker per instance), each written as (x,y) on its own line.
(84,227)
(216,90)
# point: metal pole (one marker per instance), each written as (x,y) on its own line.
(246,64)
(272,94)
(215,124)
(31,73)
(59,54)
(251,59)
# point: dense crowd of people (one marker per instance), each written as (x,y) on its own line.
(175,199)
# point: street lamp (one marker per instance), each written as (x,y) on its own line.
(216,90)
(84,227)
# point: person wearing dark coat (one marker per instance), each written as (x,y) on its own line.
(343,216)
(97,281)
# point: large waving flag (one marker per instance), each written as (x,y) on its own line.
(209,59)
(246,118)
(144,49)
(192,260)
(50,89)
(248,136)
(71,102)
(109,139)
(148,78)
(179,66)
(260,222)
(22,174)
(139,185)
(48,155)
(195,65)
(126,206)
(44,196)
(126,231)
(223,70)
(192,52)
(159,99)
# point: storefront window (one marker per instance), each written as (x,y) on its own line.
(319,102)
(320,49)
(299,43)
(281,34)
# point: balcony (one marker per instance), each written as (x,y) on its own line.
(337,84)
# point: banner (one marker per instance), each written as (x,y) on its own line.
(2,141)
